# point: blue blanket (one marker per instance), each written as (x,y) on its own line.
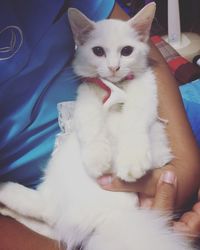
(191,97)
(36,50)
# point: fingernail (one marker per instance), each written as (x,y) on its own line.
(105,180)
(147,203)
(168,177)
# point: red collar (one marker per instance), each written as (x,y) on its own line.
(102,85)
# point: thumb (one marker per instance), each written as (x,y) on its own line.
(166,191)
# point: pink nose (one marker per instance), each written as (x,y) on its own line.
(114,68)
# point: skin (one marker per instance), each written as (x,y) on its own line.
(165,199)
(13,235)
(186,164)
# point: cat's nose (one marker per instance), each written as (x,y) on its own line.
(114,69)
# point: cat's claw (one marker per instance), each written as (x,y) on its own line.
(133,166)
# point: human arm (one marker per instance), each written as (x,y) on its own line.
(165,197)
(16,236)
(186,163)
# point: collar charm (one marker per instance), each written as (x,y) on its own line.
(114,94)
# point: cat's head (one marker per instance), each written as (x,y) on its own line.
(111,49)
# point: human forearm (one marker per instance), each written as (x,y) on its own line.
(186,163)
(14,235)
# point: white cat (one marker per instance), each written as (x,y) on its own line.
(103,136)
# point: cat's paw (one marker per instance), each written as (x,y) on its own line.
(7,212)
(97,158)
(132,164)
(6,191)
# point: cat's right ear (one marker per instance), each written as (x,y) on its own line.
(81,25)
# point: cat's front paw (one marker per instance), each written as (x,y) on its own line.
(7,212)
(97,158)
(6,193)
(131,164)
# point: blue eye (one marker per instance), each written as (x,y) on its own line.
(127,51)
(98,51)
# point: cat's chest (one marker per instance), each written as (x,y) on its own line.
(113,116)
(114,120)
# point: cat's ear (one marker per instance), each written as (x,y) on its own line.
(81,25)
(142,21)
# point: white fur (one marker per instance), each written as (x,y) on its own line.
(126,140)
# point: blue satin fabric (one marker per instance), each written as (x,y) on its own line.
(191,98)
(36,48)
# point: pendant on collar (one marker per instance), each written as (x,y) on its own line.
(113,95)
(101,83)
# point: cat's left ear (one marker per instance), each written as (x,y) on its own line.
(142,21)
(81,25)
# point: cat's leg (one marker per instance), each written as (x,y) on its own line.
(8,212)
(24,201)
(39,227)
(160,148)
(35,225)
(89,120)
(134,157)
(133,160)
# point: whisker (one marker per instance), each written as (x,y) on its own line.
(73,77)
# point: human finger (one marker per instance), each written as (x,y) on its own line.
(181,227)
(166,191)
(113,183)
(145,185)
(189,223)
(145,201)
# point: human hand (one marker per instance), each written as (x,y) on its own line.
(164,200)
(145,186)
(189,223)
(165,197)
